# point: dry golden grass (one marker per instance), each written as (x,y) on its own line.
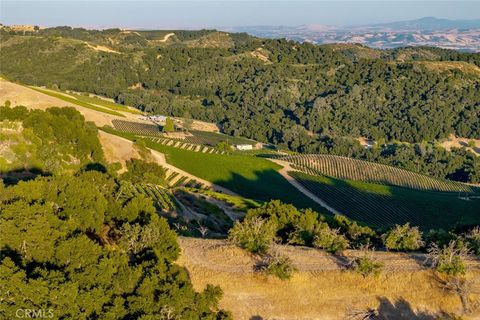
(320,290)
(20,95)
(117,149)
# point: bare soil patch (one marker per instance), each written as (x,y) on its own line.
(457,142)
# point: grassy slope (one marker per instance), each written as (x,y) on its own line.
(248,176)
(77,102)
(104,103)
(382,206)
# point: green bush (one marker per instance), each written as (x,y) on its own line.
(279,266)
(472,239)
(449,259)
(329,239)
(253,234)
(357,235)
(403,238)
(140,171)
(367,266)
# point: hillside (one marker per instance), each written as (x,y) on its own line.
(307,98)
(321,289)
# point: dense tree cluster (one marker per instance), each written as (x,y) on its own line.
(305,97)
(88,246)
(53,141)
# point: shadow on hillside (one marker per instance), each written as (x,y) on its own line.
(256,318)
(400,309)
(391,205)
(13,177)
(340,260)
(268,185)
(465,145)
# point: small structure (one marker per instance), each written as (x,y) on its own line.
(154,118)
(243,147)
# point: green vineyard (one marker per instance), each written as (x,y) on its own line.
(162,198)
(383,206)
(353,169)
(141,129)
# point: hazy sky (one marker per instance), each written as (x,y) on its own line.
(216,14)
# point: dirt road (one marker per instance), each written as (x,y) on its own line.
(284,172)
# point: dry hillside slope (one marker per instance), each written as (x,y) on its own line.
(320,290)
(20,95)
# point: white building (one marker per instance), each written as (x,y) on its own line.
(243,147)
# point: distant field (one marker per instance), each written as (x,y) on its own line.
(77,102)
(247,176)
(382,206)
(353,169)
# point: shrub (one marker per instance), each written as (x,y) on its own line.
(366,265)
(357,234)
(278,265)
(169,125)
(329,239)
(253,234)
(450,259)
(473,240)
(403,238)
(224,146)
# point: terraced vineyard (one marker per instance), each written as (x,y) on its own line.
(176,143)
(383,206)
(353,169)
(175,179)
(163,199)
(142,129)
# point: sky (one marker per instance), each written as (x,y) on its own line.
(229,13)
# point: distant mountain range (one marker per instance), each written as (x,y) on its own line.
(429,31)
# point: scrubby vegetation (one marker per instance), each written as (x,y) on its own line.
(366,265)
(403,238)
(255,235)
(278,265)
(449,259)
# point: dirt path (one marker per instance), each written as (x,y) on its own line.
(284,172)
(166,37)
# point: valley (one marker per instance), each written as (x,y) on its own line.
(202,174)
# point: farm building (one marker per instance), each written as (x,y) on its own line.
(155,118)
(243,147)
